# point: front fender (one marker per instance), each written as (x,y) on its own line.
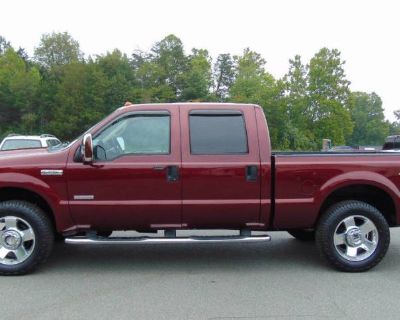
(52,191)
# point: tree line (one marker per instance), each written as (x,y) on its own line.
(61,91)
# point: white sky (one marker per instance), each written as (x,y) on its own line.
(366,32)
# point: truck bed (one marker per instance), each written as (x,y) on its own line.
(304,180)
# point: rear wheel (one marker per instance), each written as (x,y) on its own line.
(303,234)
(353,236)
(26,237)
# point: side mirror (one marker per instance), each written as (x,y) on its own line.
(87,148)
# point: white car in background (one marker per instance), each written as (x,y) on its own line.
(16,141)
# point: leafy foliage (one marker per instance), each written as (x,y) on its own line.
(224,76)
(368,118)
(57,49)
(197,77)
(19,86)
(62,92)
(328,90)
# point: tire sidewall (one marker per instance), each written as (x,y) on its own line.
(336,215)
(43,239)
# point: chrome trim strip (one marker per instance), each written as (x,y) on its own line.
(154,240)
(84,197)
(51,172)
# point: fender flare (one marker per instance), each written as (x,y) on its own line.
(365,178)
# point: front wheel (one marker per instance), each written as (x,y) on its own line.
(353,236)
(26,237)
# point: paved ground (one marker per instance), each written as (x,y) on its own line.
(284,279)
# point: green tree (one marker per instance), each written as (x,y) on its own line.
(61,92)
(120,79)
(370,127)
(18,92)
(197,77)
(57,49)
(251,78)
(224,76)
(150,80)
(79,101)
(254,85)
(298,126)
(329,94)
(169,55)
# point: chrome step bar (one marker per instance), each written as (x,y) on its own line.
(159,240)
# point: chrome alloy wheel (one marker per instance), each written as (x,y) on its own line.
(356,238)
(17,240)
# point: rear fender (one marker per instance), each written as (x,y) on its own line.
(358,178)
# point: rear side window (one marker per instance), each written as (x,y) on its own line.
(13,144)
(217,132)
(53,142)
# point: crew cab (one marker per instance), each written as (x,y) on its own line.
(169,167)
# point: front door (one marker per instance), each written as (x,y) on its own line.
(134,181)
(220,167)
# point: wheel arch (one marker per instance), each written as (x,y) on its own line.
(375,195)
(17,193)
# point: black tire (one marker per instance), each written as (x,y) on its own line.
(334,218)
(43,235)
(306,235)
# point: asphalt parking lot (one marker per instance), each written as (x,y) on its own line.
(284,279)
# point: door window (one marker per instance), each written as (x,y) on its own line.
(137,134)
(216,132)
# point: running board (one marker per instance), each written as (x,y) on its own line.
(154,240)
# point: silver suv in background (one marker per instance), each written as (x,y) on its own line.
(16,141)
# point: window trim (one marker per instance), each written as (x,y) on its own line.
(217,113)
(151,113)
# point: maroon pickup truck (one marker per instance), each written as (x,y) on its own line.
(168,167)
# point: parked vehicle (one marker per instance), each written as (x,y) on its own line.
(342,149)
(392,144)
(16,141)
(194,166)
(369,148)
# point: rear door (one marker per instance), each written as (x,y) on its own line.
(220,167)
